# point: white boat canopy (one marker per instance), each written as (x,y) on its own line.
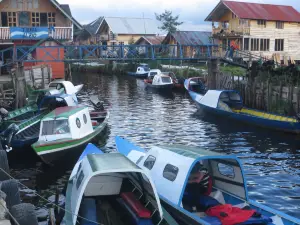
(102,174)
(212,97)
(67,86)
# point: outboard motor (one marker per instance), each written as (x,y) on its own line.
(7,135)
(96,102)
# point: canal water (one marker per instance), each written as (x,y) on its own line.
(271,160)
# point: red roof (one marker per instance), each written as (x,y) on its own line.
(246,10)
(155,40)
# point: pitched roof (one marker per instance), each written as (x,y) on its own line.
(122,25)
(246,10)
(65,9)
(93,27)
(192,37)
(152,40)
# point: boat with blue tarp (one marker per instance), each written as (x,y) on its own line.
(201,186)
(229,104)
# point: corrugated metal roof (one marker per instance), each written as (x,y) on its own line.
(192,37)
(93,26)
(152,40)
(66,8)
(122,25)
(246,10)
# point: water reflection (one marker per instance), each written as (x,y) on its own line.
(271,159)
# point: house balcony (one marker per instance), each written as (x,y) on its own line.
(36,33)
(220,32)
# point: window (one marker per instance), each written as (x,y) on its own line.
(12,19)
(138,161)
(264,44)
(244,22)
(51,19)
(4,19)
(226,170)
(121,43)
(279,44)
(261,23)
(279,25)
(78,123)
(170,172)
(233,16)
(43,20)
(24,19)
(35,19)
(254,44)
(246,44)
(84,118)
(149,162)
(53,127)
(79,179)
(165,79)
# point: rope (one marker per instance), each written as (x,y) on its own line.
(14,219)
(50,201)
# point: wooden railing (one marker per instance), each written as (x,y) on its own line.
(4,33)
(62,33)
(59,33)
(228,31)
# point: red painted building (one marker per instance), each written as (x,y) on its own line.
(37,23)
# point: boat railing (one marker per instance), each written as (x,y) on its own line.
(149,205)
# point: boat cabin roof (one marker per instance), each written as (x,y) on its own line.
(67,85)
(64,112)
(94,163)
(212,97)
(182,159)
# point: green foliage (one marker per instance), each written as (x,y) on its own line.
(169,22)
(236,71)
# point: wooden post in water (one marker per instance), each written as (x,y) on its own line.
(43,77)
(213,72)
(20,87)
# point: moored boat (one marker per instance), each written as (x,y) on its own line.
(109,189)
(202,187)
(178,82)
(195,85)
(158,81)
(229,104)
(141,71)
(66,131)
(34,105)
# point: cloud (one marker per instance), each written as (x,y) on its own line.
(191,12)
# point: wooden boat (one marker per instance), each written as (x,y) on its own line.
(65,131)
(195,85)
(109,189)
(158,81)
(141,71)
(194,184)
(229,104)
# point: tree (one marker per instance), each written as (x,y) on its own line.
(169,22)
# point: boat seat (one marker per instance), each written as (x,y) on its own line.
(204,202)
(88,210)
(135,219)
(257,221)
(95,123)
(136,205)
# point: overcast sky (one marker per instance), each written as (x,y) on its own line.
(191,12)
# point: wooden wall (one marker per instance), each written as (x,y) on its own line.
(38,6)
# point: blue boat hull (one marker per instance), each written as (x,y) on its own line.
(138,75)
(285,126)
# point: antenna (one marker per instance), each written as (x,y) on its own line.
(144,23)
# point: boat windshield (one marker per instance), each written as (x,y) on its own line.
(53,127)
(165,79)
